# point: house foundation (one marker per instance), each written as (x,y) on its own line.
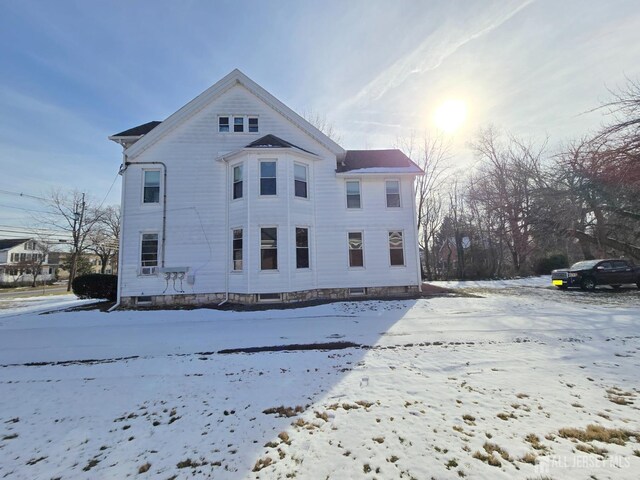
(408,291)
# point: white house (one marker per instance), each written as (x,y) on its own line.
(19,257)
(237,198)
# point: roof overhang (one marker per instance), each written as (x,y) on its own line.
(410,170)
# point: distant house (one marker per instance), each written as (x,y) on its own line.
(19,258)
(236,197)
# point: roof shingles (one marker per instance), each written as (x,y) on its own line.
(11,242)
(139,130)
(377,159)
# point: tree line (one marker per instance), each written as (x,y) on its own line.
(524,208)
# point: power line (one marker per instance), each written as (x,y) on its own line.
(109,191)
(20,194)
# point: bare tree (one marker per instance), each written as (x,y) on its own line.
(103,239)
(508,178)
(431,153)
(76,215)
(321,122)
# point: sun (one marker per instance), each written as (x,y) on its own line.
(450,115)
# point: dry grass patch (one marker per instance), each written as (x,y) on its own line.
(284,436)
(470,419)
(489,459)
(144,468)
(491,448)
(529,458)
(534,440)
(586,448)
(619,396)
(322,416)
(262,463)
(92,463)
(283,411)
(188,463)
(505,416)
(378,439)
(453,463)
(599,433)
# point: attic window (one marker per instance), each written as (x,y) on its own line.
(223,124)
(238,124)
(253,124)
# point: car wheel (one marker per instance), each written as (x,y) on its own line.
(615,287)
(588,284)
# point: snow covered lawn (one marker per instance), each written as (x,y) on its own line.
(40,303)
(502,386)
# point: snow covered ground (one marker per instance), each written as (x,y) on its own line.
(41,303)
(436,388)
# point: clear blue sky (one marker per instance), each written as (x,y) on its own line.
(71,73)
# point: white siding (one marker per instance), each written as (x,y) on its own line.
(198,235)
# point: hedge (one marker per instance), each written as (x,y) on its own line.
(95,285)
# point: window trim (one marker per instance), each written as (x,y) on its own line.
(260,162)
(154,268)
(386,193)
(234,124)
(306,180)
(228,117)
(404,256)
(308,247)
(355,267)
(233,181)
(346,193)
(268,270)
(160,186)
(233,250)
(249,118)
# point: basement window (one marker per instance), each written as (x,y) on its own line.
(269,297)
(145,300)
(357,292)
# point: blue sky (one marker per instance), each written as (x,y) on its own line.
(71,73)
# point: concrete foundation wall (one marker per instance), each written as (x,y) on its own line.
(285,297)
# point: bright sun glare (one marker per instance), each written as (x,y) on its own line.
(450,115)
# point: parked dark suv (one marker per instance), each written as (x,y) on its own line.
(590,273)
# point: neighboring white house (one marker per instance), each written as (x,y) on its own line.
(19,257)
(236,197)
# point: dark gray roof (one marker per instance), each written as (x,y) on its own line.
(370,159)
(12,242)
(271,141)
(139,130)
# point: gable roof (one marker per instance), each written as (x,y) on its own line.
(377,161)
(271,141)
(213,92)
(8,243)
(139,130)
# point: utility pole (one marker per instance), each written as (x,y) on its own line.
(78,216)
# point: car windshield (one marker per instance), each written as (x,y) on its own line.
(584,265)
